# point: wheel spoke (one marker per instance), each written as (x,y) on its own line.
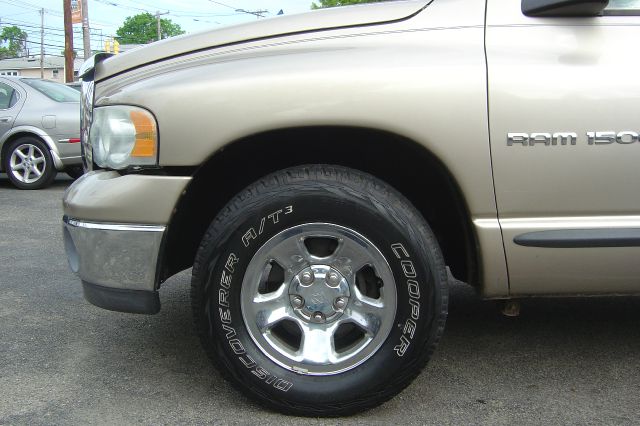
(365,312)
(36,171)
(269,309)
(37,160)
(31,150)
(26,173)
(290,254)
(17,167)
(349,258)
(20,154)
(317,346)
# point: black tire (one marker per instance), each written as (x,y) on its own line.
(39,158)
(74,172)
(322,195)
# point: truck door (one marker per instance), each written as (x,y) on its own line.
(564,110)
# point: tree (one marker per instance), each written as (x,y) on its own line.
(13,40)
(334,3)
(143,28)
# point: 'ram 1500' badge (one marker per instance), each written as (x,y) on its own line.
(571,138)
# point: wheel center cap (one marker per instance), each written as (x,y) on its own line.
(319,293)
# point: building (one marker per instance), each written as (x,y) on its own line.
(52,67)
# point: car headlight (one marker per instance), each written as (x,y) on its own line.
(123,136)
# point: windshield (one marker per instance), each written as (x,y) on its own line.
(56,91)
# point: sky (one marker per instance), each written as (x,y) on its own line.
(105,16)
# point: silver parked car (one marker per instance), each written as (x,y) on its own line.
(39,131)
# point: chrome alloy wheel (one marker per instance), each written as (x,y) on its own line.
(27,163)
(318,299)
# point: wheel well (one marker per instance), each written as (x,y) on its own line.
(400,162)
(5,145)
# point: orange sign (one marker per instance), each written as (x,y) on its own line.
(76,12)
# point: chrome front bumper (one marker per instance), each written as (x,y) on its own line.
(117,263)
(113,231)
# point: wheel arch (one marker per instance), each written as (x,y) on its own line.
(19,132)
(401,162)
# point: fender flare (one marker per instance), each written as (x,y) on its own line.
(35,131)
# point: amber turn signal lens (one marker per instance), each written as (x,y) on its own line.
(145,144)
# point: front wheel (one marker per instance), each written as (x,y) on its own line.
(319,291)
(29,164)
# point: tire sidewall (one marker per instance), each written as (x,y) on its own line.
(399,235)
(49,171)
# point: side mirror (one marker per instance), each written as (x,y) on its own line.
(549,8)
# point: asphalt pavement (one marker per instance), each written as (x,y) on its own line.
(63,361)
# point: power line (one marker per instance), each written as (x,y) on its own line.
(208,22)
(174,13)
(217,15)
(45,44)
(223,4)
(19,23)
(77,37)
(257,13)
(193,15)
(16,14)
(49,11)
(190,13)
(112,3)
(27,5)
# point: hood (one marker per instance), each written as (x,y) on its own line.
(317,20)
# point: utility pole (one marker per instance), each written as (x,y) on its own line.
(25,45)
(158,20)
(86,37)
(41,43)
(68,42)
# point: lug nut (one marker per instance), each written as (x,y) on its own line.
(297,301)
(307,277)
(333,279)
(318,317)
(340,303)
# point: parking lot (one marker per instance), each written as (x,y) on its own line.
(63,361)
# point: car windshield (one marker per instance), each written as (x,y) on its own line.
(56,91)
(624,4)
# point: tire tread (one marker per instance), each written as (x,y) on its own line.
(377,190)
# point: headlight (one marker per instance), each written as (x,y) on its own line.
(123,136)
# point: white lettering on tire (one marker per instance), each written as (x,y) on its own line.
(226,280)
(270,219)
(413,288)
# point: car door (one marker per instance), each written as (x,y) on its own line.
(564,109)
(11,100)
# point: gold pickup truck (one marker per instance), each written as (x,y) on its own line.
(322,174)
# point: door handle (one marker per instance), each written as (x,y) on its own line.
(5,119)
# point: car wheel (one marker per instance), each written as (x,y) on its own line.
(319,291)
(28,163)
(74,171)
